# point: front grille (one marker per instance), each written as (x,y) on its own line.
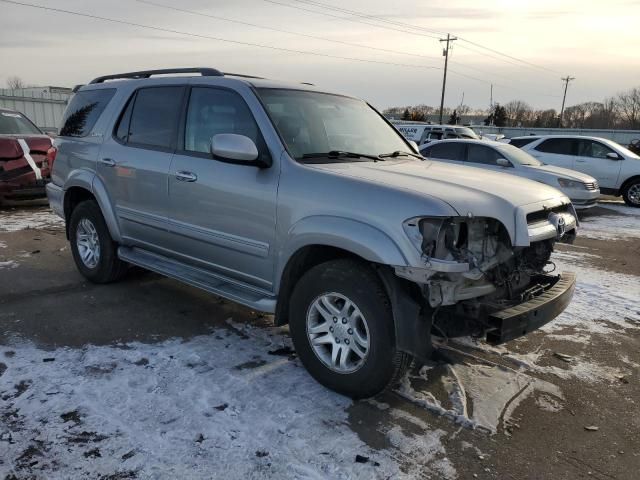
(591,186)
(543,215)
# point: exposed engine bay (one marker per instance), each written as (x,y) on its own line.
(471,258)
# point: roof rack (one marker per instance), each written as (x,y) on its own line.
(205,72)
(240,75)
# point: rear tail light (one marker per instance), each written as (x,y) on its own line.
(51,157)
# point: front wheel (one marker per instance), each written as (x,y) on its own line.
(342,327)
(631,194)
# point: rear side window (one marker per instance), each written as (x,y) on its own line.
(83,111)
(482,154)
(153,120)
(521,142)
(448,151)
(561,146)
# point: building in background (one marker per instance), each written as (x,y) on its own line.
(43,105)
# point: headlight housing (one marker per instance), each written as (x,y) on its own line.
(437,237)
(565,183)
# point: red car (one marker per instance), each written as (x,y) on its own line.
(24,168)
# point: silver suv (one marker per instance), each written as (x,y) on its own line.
(310,206)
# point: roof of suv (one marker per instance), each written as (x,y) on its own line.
(152,76)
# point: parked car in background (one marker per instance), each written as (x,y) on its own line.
(24,169)
(634,146)
(310,206)
(424,133)
(616,168)
(501,157)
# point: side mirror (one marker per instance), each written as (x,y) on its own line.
(415,146)
(613,156)
(230,146)
(503,162)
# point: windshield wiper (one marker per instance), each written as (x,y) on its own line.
(399,153)
(341,154)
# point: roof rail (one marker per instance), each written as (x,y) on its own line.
(205,72)
(240,75)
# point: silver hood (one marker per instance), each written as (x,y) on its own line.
(470,191)
(467,189)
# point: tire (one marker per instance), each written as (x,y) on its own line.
(339,282)
(631,193)
(105,267)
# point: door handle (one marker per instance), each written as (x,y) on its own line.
(108,162)
(186,176)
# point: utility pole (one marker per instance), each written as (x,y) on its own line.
(445,54)
(566,81)
(491,107)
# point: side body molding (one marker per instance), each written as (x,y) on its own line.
(357,237)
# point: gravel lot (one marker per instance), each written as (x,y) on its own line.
(149,378)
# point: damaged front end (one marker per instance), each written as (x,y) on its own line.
(473,277)
(24,169)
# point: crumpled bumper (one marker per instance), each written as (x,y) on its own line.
(520,319)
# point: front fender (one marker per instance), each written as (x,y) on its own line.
(359,238)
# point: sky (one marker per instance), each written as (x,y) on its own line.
(392,57)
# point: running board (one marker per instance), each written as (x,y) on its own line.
(251,297)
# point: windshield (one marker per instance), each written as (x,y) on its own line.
(13,123)
(465,132)
(519,156)
(317,123)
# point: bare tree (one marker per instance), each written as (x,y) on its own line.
(518,112)
(628,104)
(14,82)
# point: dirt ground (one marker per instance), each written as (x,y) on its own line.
(561,403)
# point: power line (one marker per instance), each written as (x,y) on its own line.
(340,17)
(414,27)
(218,39)
(371,17)
(290,32)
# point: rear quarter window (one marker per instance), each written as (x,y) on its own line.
(560,146)
(521,142)
(83,112)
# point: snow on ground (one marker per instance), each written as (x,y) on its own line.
(609,227)
(217,403)
(14,220)
(221,403)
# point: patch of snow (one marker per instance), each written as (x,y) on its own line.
(182,409)
(9,265)
(3,245)
(609,227)
(600,297)
(619,207)
(548,403)
(28,218)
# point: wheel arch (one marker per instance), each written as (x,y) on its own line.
(83,185)
(626,183)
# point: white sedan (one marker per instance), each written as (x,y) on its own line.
(582,189)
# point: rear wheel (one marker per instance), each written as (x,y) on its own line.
(95,253)
(631,193)
(342,327)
